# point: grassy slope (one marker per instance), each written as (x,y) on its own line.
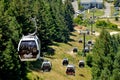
(58,70)
(63,50)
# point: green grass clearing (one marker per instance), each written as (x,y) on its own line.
(97,12)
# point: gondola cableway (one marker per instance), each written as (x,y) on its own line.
(29,46)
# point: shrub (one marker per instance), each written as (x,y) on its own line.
(101,24)
(112,26)
(104,24)
(89,60)
(79,53)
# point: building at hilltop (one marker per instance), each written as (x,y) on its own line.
(87,4)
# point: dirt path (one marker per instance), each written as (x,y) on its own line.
(114,32)
(107,10)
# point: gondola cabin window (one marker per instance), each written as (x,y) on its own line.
(28,49)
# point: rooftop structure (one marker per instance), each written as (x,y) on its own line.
(87,4)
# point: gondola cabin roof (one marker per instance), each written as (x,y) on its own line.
(81,61)
(65,59)
(46,62)
(70,65)
(29,37)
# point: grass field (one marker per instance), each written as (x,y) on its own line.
(97,12)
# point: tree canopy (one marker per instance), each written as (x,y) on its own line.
(105,55)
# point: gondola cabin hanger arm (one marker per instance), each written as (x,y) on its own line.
(29,46)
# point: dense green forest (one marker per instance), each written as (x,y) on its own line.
(54,21)
(105,58)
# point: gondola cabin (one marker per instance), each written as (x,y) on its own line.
(29,48)
(46,66)
(70,69)
(65,61)
(81,63)
(75,49)
(80,41)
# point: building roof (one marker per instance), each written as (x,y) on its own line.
(85,1)
(90,1)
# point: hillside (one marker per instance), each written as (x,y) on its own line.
(54,21)
(63,50)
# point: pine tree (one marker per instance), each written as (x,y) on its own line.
(104,53)
(69,11)
(10,63)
